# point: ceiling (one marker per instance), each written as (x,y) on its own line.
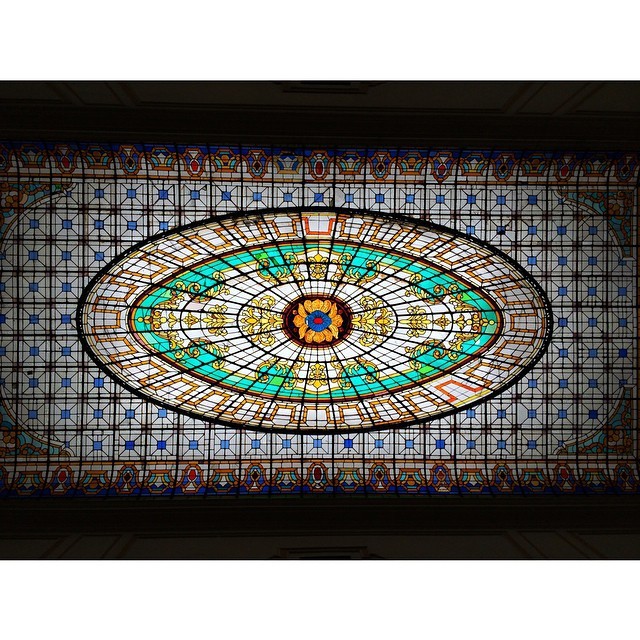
(589,115)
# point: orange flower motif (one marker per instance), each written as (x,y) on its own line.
(317,321)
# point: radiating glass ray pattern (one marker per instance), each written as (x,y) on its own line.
(315,320)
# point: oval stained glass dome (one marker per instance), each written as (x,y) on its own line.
(314,320)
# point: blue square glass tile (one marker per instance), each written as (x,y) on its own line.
(562,413)
(33,255)
(255,444)
(440,199)
(98,224)
(501,200)
(348,443)
(67,224)
(622,291)
(163,194)
(593,231)
(533,230)
(129,445)
(562,230)
(131,193)
(193,445)
(161,445)
(532,384)
(132,225)
(410,198)
(592,291)
(65,318)
(593,322)
(129,413)
(317,443)
(99,193)
(592,261)
(471,444)
(33,286)
(33,383)
(286,443)
(162,413)
(224,444)
(65,414)
(97,445)
(318,197)
(471,413)
(163,225)
(501,230)
(33,319)
(33,224)
(287,197)
(66,382)
(562,291)
(348,197)
(471,199)
(501,413)
(33,414)
(33,351)
(379,444)
(98,382)
(563,383)
(532,199)
(379,198)
(532,413)
(257,196)
(593,383)
(99,256)
(593,414)
(408,444)
(532,260)
(501,444)
(563,353)
(440,444)
(97,413)
(471,230)
(622,353)
(226,196)
(195,195)
(562,260)
(66,351)
(532,444)
(593,353)
(66,255)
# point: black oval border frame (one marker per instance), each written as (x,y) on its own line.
(243,214)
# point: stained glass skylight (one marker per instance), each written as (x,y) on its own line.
(321,300)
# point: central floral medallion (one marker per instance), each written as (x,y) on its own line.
(317,321)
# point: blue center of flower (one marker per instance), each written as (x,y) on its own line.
(318,320)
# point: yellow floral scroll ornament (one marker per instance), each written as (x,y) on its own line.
(375,321)
(258,321)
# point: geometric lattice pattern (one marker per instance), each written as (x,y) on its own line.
(568,425)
